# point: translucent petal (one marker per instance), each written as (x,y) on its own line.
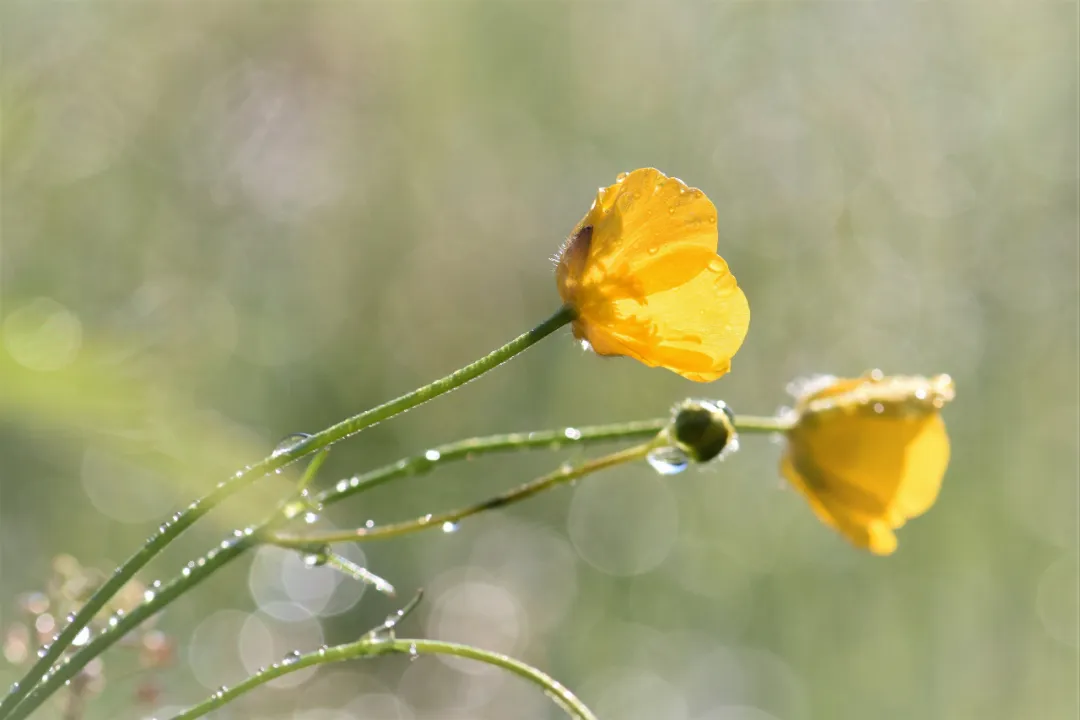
(867,473)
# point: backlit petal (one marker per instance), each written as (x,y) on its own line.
(642,273)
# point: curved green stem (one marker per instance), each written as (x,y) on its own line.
(180,522)
(203,568)
(373,645)
(565,474)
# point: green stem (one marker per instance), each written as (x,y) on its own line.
(565,474)
(463,449)
(180,522)
(751,424)
(374,645)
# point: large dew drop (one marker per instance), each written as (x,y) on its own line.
(288,442)
(668,460)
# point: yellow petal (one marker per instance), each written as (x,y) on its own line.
(865,531)
(707,316)
(651,215)
(880,465)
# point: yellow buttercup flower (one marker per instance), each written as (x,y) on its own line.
(869,453)
(642,273)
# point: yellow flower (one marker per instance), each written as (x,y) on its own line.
(642,273)
(869,453)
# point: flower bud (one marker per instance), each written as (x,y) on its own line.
(703,429)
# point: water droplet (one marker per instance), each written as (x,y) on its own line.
(43,651)
(879,408)
(186,572)
(149,596)
(449,527)
(369,524)
(291,658)
(322,650)
(654,249)
(70,617)
(731,447)
(413,652)
(82,637)
(432,455)
(288,442)
(315,560)
(572,433)
(426,519)
(311,518)
(342,486)
(667,460)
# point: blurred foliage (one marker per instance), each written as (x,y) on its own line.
(226,222)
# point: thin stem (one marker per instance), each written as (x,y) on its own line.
(563,475)
(180,522)
(751,424)
(374,645)
(464,449)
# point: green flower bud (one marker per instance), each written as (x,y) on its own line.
(703,429)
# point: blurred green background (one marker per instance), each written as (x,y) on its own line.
(226,222)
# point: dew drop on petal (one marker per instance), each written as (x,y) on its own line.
(667,460)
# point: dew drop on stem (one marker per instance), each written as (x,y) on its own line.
(667,460)
(288,442)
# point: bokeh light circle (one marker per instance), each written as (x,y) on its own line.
(623,523)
